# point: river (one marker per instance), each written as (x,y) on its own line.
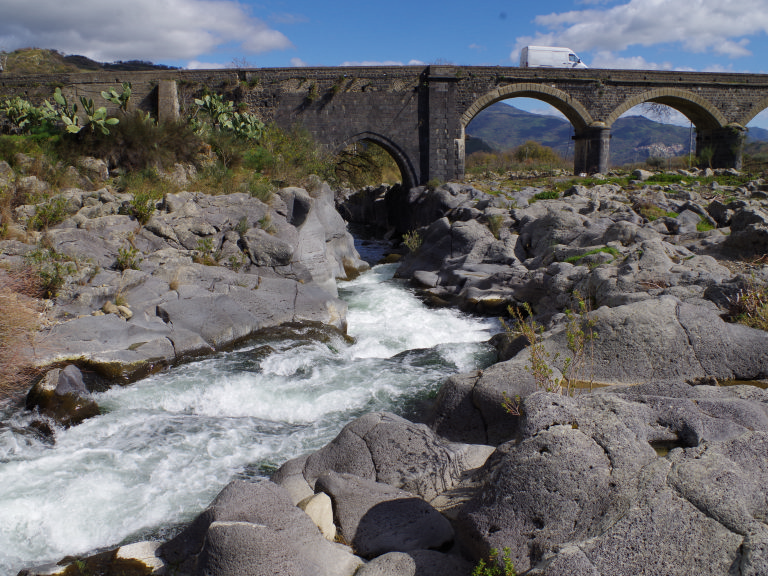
(164,447)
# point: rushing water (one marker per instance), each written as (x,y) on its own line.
(165,446)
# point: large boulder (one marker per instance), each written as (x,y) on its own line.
(606,497)
(375,518)
(254,529)
(386,448)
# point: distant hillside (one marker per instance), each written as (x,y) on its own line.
(633,138)
(38,61)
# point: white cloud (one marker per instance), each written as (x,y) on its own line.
(384,63)
(135,29)
(605,59)
(718,26)
(197,65)
(298,62)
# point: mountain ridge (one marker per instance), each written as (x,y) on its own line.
(634,138)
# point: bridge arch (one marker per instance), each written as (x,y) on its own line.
(703,114)
(572,109)
(754,111)
(407,171)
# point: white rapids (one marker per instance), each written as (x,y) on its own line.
(166,445)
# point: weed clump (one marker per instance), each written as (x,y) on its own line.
(19,320)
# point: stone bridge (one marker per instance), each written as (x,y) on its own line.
(419,114)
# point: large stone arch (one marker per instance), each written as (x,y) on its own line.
(407,171)
(591,138)
(718,142)
(572,109)
(703,114)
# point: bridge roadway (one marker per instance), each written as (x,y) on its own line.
(419,113)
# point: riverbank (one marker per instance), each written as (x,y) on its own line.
(660,268)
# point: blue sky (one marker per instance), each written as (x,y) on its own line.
(701,35)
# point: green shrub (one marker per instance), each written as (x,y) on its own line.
(127,258)
(492,566)
(51,267)
(412,240)
(434,184)
(49,213)
(533,152)
(142,206)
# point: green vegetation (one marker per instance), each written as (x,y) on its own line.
(580,334)
(127,259)
(492,567)
(545,195)
(49,212)
(652,212)
(527,156)
(603,249)
(750,306)
(52,269)
(494,224)
(412,240)
(704,225)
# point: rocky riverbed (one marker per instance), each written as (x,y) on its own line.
(660,469)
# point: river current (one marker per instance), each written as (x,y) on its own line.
(164,447)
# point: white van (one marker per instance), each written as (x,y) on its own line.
(549,57)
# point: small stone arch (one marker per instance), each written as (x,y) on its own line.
(699,110)
(572,109)
(410,178)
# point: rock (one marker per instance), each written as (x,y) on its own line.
(388,449)
(94,168)
(320,509)
(656,339)
(255,529)
(375,518)
(606,502)
(137,558)
(416,563)
(641,175)
(63,396)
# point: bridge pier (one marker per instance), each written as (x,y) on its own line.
(720,147)
(591,150)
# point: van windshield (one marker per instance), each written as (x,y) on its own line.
(574,58)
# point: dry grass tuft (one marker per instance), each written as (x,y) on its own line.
(19,319)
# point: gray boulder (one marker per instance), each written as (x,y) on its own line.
(375,518)
(254,529)
(386,448)
(62,395)
(604,501)
(656,340)
(416,563)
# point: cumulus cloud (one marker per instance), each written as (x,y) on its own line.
(136,29)
(715,26)
(606,59)
(298,63)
